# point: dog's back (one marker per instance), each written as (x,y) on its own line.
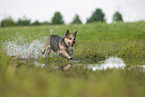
(54,42)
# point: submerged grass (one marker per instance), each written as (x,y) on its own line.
(95,42)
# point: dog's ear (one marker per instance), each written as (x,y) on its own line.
(75,34)
(67,33)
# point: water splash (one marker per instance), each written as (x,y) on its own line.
(23,50)
(39,64)
(112,62)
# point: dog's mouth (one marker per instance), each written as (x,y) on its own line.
(70,44)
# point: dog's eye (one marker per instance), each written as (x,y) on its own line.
(69,38)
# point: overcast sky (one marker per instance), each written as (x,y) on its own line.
(43,10)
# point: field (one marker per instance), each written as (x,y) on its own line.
(24,71)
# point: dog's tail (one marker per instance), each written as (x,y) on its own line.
(52,33)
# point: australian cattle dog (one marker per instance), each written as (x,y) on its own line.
(60,45)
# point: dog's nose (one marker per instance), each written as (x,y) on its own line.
(74,42)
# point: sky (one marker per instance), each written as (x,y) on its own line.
(43,10)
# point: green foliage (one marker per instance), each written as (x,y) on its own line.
(23,22)
(76,82)
(7,22)
(57,18)
(97,16)
(117,17)
(36,23)
(133,49)
(76,20)
(45,23)
(96,40)
(103,39)
(4,62)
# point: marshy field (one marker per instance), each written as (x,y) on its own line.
(108,61)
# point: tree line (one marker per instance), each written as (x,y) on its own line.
(97,16)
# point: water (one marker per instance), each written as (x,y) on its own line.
(24,50)
(118,63)
(33,51)
(111,62)
(39,64)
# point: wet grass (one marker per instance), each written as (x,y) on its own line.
(94,42)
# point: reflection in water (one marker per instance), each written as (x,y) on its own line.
(112,62)
(65,67)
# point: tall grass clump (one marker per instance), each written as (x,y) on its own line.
(133,49)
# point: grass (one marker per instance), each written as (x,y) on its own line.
(99,39)
(94,41)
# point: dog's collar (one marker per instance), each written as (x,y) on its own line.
(63,42)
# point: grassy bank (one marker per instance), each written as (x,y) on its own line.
(94,41)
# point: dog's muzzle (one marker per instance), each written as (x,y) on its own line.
(73,43)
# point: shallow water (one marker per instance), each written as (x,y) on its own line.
(33,51)
(111,62)
(118,63)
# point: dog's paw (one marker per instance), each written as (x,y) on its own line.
(43,52)
(70,58)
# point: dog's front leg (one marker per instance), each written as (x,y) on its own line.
(66,54)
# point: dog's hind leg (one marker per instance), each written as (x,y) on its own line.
(43,51)
(46,45)
(49,50)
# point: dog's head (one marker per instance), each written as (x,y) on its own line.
(70,38)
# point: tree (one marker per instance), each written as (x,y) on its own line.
(97,16)
(76,20)
(7,22)
(36,23)
(45,23)
(117,17)
(57,18)
(23,22)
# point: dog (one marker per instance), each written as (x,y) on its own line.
(60,45)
